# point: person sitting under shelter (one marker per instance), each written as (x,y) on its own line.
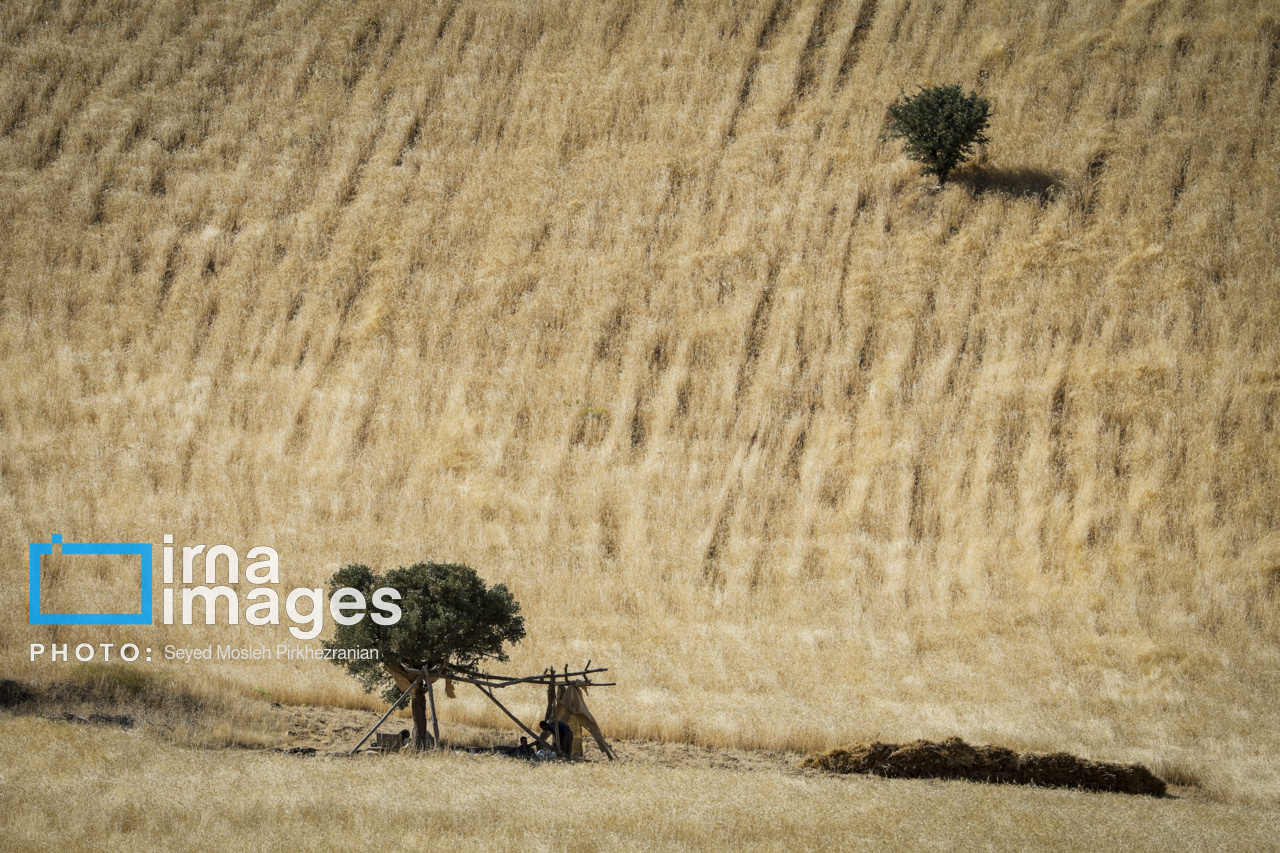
(525,749)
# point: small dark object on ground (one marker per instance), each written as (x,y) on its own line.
(955,759)
(102,719)
(304,751)
(13,693)
(388,742)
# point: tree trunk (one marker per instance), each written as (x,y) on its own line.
(418,706)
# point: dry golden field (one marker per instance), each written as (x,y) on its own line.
(132,793)
(628,306)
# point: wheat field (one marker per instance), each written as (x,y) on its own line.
(629,306)
(248,801)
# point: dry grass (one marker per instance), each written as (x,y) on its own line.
(200,711)
(132,793)
(627,306)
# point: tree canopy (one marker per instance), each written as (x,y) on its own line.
(941,126)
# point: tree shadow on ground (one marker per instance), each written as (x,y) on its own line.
(1040,184)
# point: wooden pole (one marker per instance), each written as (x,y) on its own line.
(542,678)
(503,708)
(499,681)
(552,717)
(435,724)
(384,717)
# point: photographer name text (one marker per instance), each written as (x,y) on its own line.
(130,652)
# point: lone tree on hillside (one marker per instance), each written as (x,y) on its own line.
(449,620)
(940,125)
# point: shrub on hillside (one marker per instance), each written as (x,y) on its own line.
(941,126)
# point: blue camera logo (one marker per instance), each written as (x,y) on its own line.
(141,550)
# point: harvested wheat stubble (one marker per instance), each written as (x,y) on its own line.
(955,759)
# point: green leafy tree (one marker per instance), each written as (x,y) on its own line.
(941,126)
(449,621)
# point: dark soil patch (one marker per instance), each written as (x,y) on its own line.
(955,759)
(15,693)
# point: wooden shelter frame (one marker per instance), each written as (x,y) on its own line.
(486,684)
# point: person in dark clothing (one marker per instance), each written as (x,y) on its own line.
(560,730)
(525,749)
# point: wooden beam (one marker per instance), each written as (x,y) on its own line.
(384,716)
(499,681)
(515,719)
(539,676)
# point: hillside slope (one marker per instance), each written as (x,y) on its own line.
(630,307)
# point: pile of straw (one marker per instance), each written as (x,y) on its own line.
(955,759)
